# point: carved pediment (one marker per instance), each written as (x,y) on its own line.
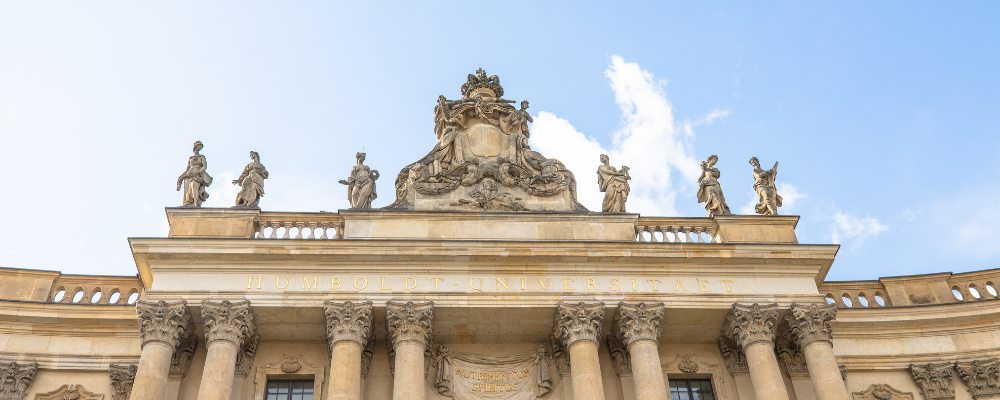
(69,392)
(882,392)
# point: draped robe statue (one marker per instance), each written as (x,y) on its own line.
(195,179)
(251,183)
(614,184)
(769,200)
(361,184)
(709,190)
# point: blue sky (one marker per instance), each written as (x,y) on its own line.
(883,115)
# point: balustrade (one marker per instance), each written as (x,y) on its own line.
(320,226)
(676,230)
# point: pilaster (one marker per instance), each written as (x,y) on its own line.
(17,379)
(122,378)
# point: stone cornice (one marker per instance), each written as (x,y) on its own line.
(410,322)
(640,321)
(581,321)
(348,321)
(163,322)
(753,323)
(228,321)
(811,323)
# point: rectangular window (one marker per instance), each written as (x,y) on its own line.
(691,389)
(289,390)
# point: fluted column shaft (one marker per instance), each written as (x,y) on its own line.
(227,326)
(579,328)
(752,328)
(811,327)
(348,328)
(410,329)
(161,326)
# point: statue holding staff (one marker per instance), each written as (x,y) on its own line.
(766,190)
(709,190)
(195,179)
(361,184)
(251,183)
(614,184)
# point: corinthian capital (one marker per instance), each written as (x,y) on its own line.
(810,323)
(934,380)
(163,322)
(231,322)
(409,322)
(122,378)
(751,324)
(348,321)
(635,322)
(578,322)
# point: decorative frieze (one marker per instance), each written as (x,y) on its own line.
(634,322)
(810,323)
(69,392)
(181,360)
(934,380)
(980,376)
(882,392)
(751,324)
(621,360)
(228,321)
(348,321)
(733,356)
(578,322)
(15,379)
(122,377)
(163,322)
(409,322)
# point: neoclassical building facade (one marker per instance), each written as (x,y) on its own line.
(486,279)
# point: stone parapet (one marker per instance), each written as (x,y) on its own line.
(212,222)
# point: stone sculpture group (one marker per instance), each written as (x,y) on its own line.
(482,162)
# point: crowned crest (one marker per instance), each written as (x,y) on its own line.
(480,84)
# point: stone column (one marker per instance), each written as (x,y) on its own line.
(638,327)
(811,328)
(227,326)
(752,328)
(161,327)
(410,330)
(348,332)
(579,328)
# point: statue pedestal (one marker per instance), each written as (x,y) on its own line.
(561,202)
(360,224)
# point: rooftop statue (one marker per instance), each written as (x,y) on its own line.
(709,191)
(361,184)
(481,137)
(195,179)
(251,183)
(766,191)
(614,184)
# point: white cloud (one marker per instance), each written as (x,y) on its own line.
(147,208)
(222,193)
(650,142)
(846,226)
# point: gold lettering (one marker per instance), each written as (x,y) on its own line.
(475,387)
(383,285)
(515,387)
(334,283)
(250,279)
(406,283)
(277,282)
(307,285)
(504,283)
(545,286)
(633,286)
(614,285)
(590,282)
(654,282)
(362,287)
(727,282)
(522,284)
(679,286)
(702,287)
(436,282)
(476,288)
(566,284)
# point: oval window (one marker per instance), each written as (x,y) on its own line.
(60,295)
(957,293)
(78,296)
(115,297)
(96,297)
(879,300)
(133,297)
(847,301)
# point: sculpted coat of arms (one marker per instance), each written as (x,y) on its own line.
(482,160)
